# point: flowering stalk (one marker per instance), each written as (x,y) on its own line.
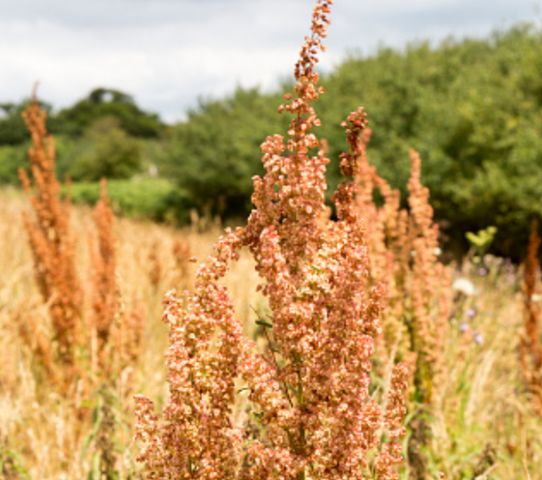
(105,296)
(195,439)
(404,258)
(51,240)
(430,292)
(530,348)
(312,416)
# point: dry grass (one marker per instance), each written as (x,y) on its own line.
(38,432)
(483,422)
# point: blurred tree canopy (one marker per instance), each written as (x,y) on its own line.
(105,134)
(215,153)
(12,127)
(472,108)
(105,150)
(103,102)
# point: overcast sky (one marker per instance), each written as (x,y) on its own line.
(167,53)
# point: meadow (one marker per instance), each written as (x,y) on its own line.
(485,426)
(41,438)
(324,338)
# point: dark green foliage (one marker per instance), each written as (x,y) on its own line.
(11,159)
(105,134)
(215,153)
(472,108)
(105,150)
(12,128)
(14,157)
(103,102)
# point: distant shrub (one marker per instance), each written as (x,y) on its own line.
(214,155)
(11,159)
(12,128)
(104,102)
(157,199)
(471,108)
(105,151)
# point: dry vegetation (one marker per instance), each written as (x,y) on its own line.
(40,434)
(483,423)
(301,347)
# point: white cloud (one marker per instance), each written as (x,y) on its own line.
(167,53)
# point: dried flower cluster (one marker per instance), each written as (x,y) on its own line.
(117,332)
(196,438)
(530,348)
(430,293)
(74,329)
(155,266)
(404,257)
(311,415)
(51,241)
(181,255)
(104,295)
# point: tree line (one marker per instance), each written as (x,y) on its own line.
(471,107)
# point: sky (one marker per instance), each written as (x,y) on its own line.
(169,53)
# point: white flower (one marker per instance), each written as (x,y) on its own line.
(465,286)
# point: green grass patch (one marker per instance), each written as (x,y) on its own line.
(150,198)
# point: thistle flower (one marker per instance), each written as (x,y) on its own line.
(464,286)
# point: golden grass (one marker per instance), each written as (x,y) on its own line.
(484,426)
(38,431)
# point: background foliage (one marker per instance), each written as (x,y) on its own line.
(473,108)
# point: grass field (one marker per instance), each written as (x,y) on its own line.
(316,341)
(484,426)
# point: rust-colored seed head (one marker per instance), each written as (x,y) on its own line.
(181,255)
(50,238)
(104,289)
(312,413)
(531,344)
(155,266)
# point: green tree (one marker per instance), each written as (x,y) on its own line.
(105,151)
(472,108)
(104,102)
(215,153)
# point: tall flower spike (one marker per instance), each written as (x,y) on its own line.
(50,238)
(295,208)
(324,317)
(105,294)
(195,437)
(311,414)
(429,289)
(530,348)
